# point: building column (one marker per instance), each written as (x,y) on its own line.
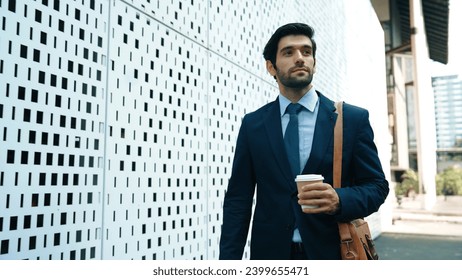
(400,113)
(424,106)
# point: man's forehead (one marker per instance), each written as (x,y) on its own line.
(294,41)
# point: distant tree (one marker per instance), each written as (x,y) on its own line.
(409,184)
(449,182)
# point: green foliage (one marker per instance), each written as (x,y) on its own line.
(409,183)
(449,182)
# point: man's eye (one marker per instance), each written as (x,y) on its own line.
(287,53)
(307,52)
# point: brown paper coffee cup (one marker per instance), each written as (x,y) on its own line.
(306,179)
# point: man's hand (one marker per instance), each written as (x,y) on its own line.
(319,194)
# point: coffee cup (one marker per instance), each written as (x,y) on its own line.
(306,179)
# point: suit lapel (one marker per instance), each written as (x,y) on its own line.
(323,133)
(273,127)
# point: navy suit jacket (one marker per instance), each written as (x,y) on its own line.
(261,164)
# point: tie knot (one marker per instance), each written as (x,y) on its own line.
(294,108)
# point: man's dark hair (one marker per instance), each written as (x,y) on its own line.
(269,53)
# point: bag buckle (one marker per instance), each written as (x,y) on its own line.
(349,254)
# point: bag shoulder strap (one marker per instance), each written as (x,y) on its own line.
(345,236)
(338,146)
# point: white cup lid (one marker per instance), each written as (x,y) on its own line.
(309,177)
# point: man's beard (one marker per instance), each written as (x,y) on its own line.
(294,82)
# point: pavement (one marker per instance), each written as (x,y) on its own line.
(419,234)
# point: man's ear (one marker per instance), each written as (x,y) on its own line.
(270,68)
(314,66)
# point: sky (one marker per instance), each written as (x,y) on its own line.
(454,65)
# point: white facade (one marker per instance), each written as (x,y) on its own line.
(118,119)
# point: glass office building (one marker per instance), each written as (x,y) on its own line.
(448,117)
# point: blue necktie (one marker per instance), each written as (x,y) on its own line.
(291,140)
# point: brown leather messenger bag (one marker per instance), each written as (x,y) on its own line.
(355,237)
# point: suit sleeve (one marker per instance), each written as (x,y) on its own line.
(237,207)
(366,187)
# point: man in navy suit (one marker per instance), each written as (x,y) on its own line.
(280,229)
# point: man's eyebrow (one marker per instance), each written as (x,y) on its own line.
(291,47)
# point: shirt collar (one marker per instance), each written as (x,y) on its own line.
(308,101)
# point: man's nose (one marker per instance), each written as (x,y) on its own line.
(299,58)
